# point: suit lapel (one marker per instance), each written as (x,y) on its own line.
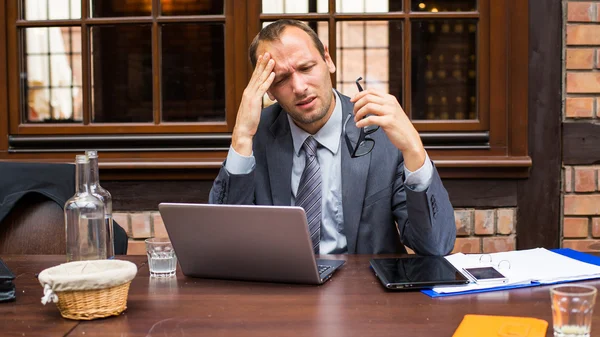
(354,179)
(279,154)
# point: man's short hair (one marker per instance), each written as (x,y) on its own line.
(273,31)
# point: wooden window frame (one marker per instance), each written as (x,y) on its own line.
(503,92)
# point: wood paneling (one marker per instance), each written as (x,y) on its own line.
(145,195)
(482,193)
(518,82)
(581,143)
(538,215)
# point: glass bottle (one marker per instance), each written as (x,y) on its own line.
(84,218)
(102,194)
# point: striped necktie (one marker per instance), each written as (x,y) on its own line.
(309,192)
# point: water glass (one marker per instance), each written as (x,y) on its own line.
(161,257)
(572,308)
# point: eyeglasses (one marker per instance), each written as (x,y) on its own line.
(365,144)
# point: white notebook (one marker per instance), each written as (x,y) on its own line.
(537,265)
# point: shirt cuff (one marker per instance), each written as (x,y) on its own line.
(420,179)
(239,164)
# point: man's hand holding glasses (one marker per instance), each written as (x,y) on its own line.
(374,109)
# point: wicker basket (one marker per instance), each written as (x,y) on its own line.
(92,304)
(83,295)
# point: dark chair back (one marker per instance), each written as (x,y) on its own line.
(35,225)
(32,196)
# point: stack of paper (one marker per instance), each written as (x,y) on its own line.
(533,266)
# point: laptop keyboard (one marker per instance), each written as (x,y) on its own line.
(323,268)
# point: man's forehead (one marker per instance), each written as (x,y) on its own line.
(286,56)
(291,41)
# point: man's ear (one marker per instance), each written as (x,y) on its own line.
(329,61)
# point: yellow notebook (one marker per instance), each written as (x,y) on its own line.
(500,326)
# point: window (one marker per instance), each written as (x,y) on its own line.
(449,63)
(157,83)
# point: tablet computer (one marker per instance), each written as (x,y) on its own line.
(416,272)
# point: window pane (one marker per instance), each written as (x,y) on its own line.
(364,50)
(444,5)
(295,6)
(444,69)
(368,6)
(122,74)
(193,72)
(51,9)
(117,8)
(192,7)
(52,65)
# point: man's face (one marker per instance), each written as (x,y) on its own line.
(302,85)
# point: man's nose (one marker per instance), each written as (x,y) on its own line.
(299,85)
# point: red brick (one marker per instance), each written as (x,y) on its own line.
(583,83)
(587,204)
(583,35)
(596,227)
(506,220)
(467,245)
(583,245)
(575,227)
(464,222)
(136,247)
(499,244)
(585,179)
(598,51)
(140,225)
(580,11)
(568,179)
(580,107)
(159,226)
(580,58)
(484,221)
(122,219)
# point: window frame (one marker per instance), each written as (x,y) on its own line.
(19,127)
(506,157)
(502,89)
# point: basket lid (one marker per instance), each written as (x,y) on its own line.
(88,275)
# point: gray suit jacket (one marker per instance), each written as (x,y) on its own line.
(374,196)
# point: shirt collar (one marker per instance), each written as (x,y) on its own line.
(328,136)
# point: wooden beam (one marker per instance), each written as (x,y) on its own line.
(581,143)
(538,214)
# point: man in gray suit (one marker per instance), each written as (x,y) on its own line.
(367,202)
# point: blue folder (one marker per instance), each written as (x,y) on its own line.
(576,255)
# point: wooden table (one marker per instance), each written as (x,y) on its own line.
(352,303)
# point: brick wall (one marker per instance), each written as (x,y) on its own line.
(478,230)
(485,230)
(581,189)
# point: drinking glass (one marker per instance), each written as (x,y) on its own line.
(572,308)
(161,257)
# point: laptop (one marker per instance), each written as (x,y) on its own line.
(244,242)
